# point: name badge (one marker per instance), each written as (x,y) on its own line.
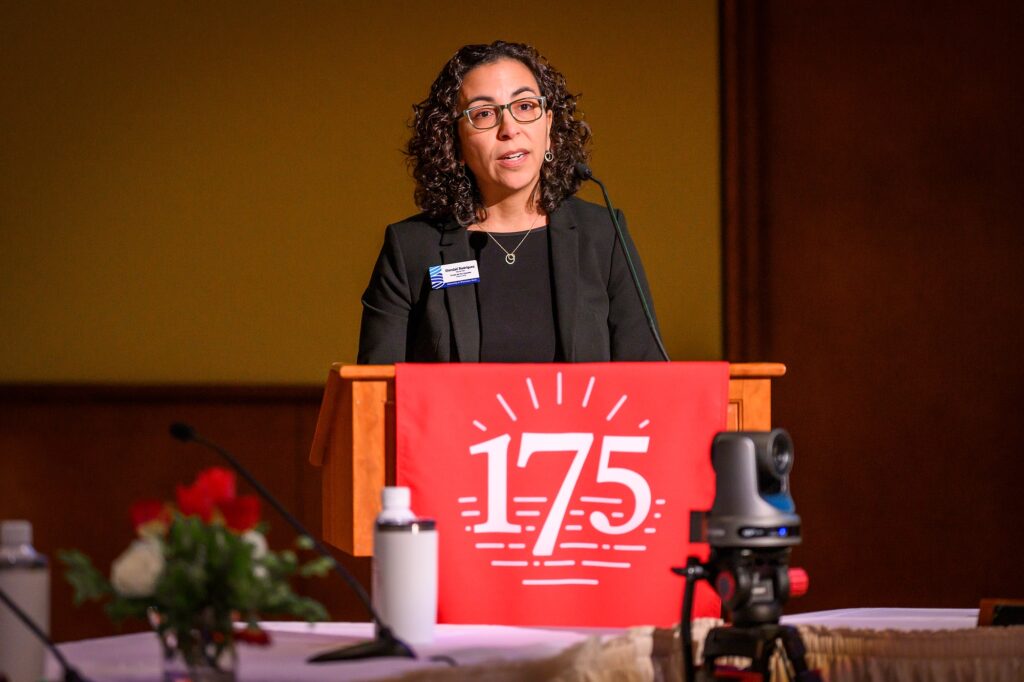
(454,274)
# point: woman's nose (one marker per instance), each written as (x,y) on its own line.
(508,127)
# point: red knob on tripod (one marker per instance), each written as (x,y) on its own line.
(799,582)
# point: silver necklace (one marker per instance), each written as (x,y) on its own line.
(510,256)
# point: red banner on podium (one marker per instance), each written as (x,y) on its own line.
(562,493)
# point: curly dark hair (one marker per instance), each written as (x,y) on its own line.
(444,187)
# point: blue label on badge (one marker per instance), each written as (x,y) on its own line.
(436,280)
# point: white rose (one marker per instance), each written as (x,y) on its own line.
(258,542)
(135,572)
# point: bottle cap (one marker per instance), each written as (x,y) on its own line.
(395,497)
(14,533)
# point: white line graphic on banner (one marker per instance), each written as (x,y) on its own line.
(562,581)
(615,409)
(508,410)
(533,393)
(590,388)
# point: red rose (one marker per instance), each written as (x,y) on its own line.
(252,635)
(146,511)
(195,500)
(241,513)
(219,482)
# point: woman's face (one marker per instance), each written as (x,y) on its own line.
(506,159)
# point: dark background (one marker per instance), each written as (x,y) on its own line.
(874,245)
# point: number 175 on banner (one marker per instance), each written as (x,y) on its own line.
(580,445)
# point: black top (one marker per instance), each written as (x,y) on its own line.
(517,316)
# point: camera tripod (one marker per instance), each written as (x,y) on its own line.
(758,643)
(753,585)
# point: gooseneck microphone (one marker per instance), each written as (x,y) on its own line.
(385,644)
(583,172)
(70,674)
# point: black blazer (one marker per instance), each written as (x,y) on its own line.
(598,314)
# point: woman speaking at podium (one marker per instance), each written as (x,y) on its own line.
(504,264)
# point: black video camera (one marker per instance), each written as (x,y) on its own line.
(751,528)
(752,524)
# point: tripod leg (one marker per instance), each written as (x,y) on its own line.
(762,665)
(754,644)
(794,649)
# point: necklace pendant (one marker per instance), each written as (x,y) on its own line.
(510,258)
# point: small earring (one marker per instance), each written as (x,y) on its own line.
(548,156)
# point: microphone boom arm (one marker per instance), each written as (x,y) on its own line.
(584,172)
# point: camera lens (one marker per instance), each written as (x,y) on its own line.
(782,453)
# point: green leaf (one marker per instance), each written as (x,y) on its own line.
(121,608)
(319,567)
(88,583)
(288,559)
(308,609)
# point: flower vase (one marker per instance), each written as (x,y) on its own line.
(198,657)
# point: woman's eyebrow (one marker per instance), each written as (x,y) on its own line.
(479,98)
(488,98)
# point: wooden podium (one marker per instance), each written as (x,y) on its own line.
(355,440)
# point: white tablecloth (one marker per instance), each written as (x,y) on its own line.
(888,619)
(848,644)
(524,653)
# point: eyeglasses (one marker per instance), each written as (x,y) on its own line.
(487,116)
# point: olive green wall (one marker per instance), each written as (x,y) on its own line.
(196,192)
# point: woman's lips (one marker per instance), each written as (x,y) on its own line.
(513,159)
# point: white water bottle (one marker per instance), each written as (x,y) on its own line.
(405,569)
(25,578)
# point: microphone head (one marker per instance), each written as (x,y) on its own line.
(182,432)
(583,171)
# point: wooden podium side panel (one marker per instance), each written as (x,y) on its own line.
(369,461)
(350,446)
(333,451)
(750,405)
